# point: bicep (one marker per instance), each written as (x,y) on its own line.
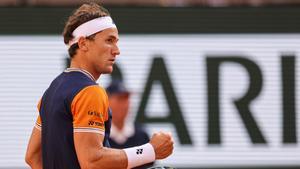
(34,150)
(91,153)
(87,146)
(34,144)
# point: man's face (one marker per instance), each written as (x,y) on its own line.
(102,51)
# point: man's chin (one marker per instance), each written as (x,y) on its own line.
(108,71)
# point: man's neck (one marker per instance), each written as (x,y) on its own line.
(80,65)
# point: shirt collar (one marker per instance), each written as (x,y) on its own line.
(121,136)
(82,71)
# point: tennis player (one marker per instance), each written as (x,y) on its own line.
(73,125)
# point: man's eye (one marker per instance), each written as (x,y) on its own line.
(110,40)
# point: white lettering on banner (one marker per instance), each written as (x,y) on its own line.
(230,100)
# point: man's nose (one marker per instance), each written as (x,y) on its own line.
(116,50)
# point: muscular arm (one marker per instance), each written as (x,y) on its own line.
(92,155)
(88,145)
(34,154)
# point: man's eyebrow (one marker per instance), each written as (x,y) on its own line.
(113,37)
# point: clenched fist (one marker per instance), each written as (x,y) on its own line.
(162,143)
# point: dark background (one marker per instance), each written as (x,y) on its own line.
(159,20)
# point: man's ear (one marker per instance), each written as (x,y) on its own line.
(82,44)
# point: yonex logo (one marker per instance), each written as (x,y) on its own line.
(91,123)
(139,151)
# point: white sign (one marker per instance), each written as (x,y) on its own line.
(236,96)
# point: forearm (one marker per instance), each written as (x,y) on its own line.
(134,156)
(92,155)
(107,158)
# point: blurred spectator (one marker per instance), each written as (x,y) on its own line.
(224,3)
(171,3)
(12,2)
(123,134)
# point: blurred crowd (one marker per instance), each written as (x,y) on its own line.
(171,3)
